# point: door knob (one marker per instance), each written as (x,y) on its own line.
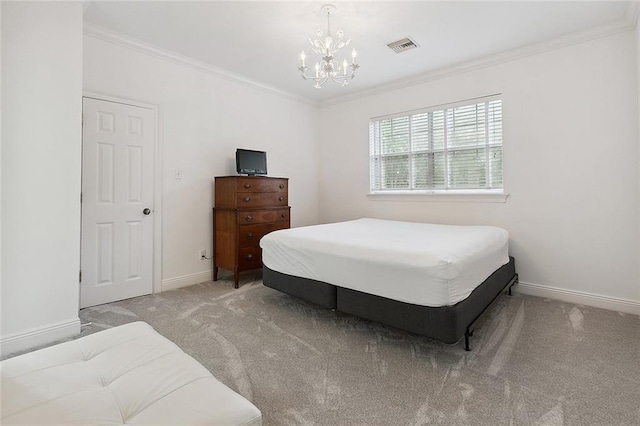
(146,212)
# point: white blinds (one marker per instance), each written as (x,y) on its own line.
(448,147)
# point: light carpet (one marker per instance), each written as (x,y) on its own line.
(533,361)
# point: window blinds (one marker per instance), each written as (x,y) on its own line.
(458,146)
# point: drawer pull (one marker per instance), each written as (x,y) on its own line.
(280,198)
(246,199)
(249,235)
(283,215)
(248,218)
(281,186)
(249,256)
(247,185)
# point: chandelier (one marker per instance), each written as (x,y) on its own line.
(325,45)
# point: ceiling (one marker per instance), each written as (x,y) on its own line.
(262,40)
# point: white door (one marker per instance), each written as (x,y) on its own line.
(118,144)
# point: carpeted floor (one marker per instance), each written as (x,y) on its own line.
(533,361)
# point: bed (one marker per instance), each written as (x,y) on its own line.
(433,280)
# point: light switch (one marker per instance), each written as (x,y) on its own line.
(178,174)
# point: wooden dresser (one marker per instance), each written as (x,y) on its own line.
(246,208)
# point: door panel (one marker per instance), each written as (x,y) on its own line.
(117,185)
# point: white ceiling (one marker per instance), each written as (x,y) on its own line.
(262,40)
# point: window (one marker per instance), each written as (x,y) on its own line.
(445,148)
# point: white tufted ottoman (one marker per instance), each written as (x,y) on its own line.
(125,375)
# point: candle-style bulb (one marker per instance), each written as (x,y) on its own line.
(302,57)
(353,56)
(344,66)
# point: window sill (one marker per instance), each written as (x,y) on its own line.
(441,196)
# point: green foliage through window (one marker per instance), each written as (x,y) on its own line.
(451,147)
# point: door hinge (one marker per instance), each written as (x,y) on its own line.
(81,197)
(82,119)
(80,277)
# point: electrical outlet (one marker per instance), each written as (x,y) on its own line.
(203,254)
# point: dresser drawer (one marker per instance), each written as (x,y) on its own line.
(261,185)
(250,258)
(250,234)
(246,217)
(262,199)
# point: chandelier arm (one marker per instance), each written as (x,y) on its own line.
(322,78)
(343,79)
(319,82)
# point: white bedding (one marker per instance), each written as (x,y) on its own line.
(418,263)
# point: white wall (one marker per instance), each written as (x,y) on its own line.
(570,165)
(0,165)
(41,139)
(637,32)
(204,119)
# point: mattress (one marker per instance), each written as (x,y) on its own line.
(418,263)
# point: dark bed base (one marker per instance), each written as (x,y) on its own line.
(446,323)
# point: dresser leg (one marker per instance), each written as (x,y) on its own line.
(215,273)
(236,278)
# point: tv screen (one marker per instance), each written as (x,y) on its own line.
(251,162)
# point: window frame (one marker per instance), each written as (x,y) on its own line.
(495,194)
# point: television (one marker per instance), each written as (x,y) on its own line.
(251,162)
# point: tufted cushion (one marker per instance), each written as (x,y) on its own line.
(125,375)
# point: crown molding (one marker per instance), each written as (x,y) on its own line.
(633,12)
(487,61)
(627,24)
(113,37)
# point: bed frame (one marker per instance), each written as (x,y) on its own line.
(447,323)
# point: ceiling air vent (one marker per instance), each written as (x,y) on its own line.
(402,45)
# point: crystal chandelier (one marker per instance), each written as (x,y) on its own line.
(326,46)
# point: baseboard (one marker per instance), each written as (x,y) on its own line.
(37,337)
(186,280)
(579,297)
